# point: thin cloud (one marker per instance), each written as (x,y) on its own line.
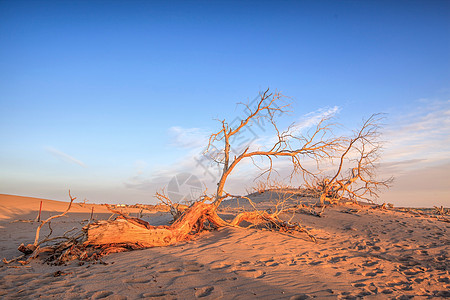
(301,127)
(194,140)
(64,156)
(423,133)
(193,161)
(188,137)
(416,140)
(158,177)
(313,118)
(401,163)
(140,183)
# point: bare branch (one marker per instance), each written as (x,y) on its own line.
(316,146)
(53,217)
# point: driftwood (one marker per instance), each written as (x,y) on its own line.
(126,233)
(124,230)
(138,233)
(36,240)
(35,248)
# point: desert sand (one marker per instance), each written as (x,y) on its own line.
(361,253)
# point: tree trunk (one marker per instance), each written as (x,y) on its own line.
(140,233)
(137,233)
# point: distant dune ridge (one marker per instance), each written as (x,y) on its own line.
(12,206)
(361,252)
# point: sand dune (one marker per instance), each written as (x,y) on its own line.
(361,253)
(14,207)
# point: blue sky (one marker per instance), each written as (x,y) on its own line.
(103,96)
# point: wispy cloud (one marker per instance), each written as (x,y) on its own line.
(188,137)
(421,134)
(300,127)
(193,161)
(158,177)
(313,118)
(398,166)
(140,183)
(64,156)
(415,139)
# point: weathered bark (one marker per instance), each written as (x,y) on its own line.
(125,233)
(137,233)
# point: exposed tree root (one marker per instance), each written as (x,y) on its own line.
(132,231)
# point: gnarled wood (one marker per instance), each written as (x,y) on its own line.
(135,231)
(138,233)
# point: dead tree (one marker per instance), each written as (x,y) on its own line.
(359,155)
(320,146)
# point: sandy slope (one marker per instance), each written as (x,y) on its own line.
(16,207)
(371,254)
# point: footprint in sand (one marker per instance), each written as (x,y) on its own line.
(411,271)
(419,279)
(241,263)
(364,292)
(227,279)
(408,287)
(359,284)
(337,259)
(148,266)
(101,294)
(267,263)
(300,297)
(140,280)
(85,275)
(387,291)
(377,248)
(220,266)
(250,273)
(203,292)
(192,266)
(348,295)
(165,295)
(440,258)
(374,272)
(396,282)
(373,288)
(370,263)
(168,270)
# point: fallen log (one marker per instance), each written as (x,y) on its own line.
(138,233)
(124,230)
(126,233)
